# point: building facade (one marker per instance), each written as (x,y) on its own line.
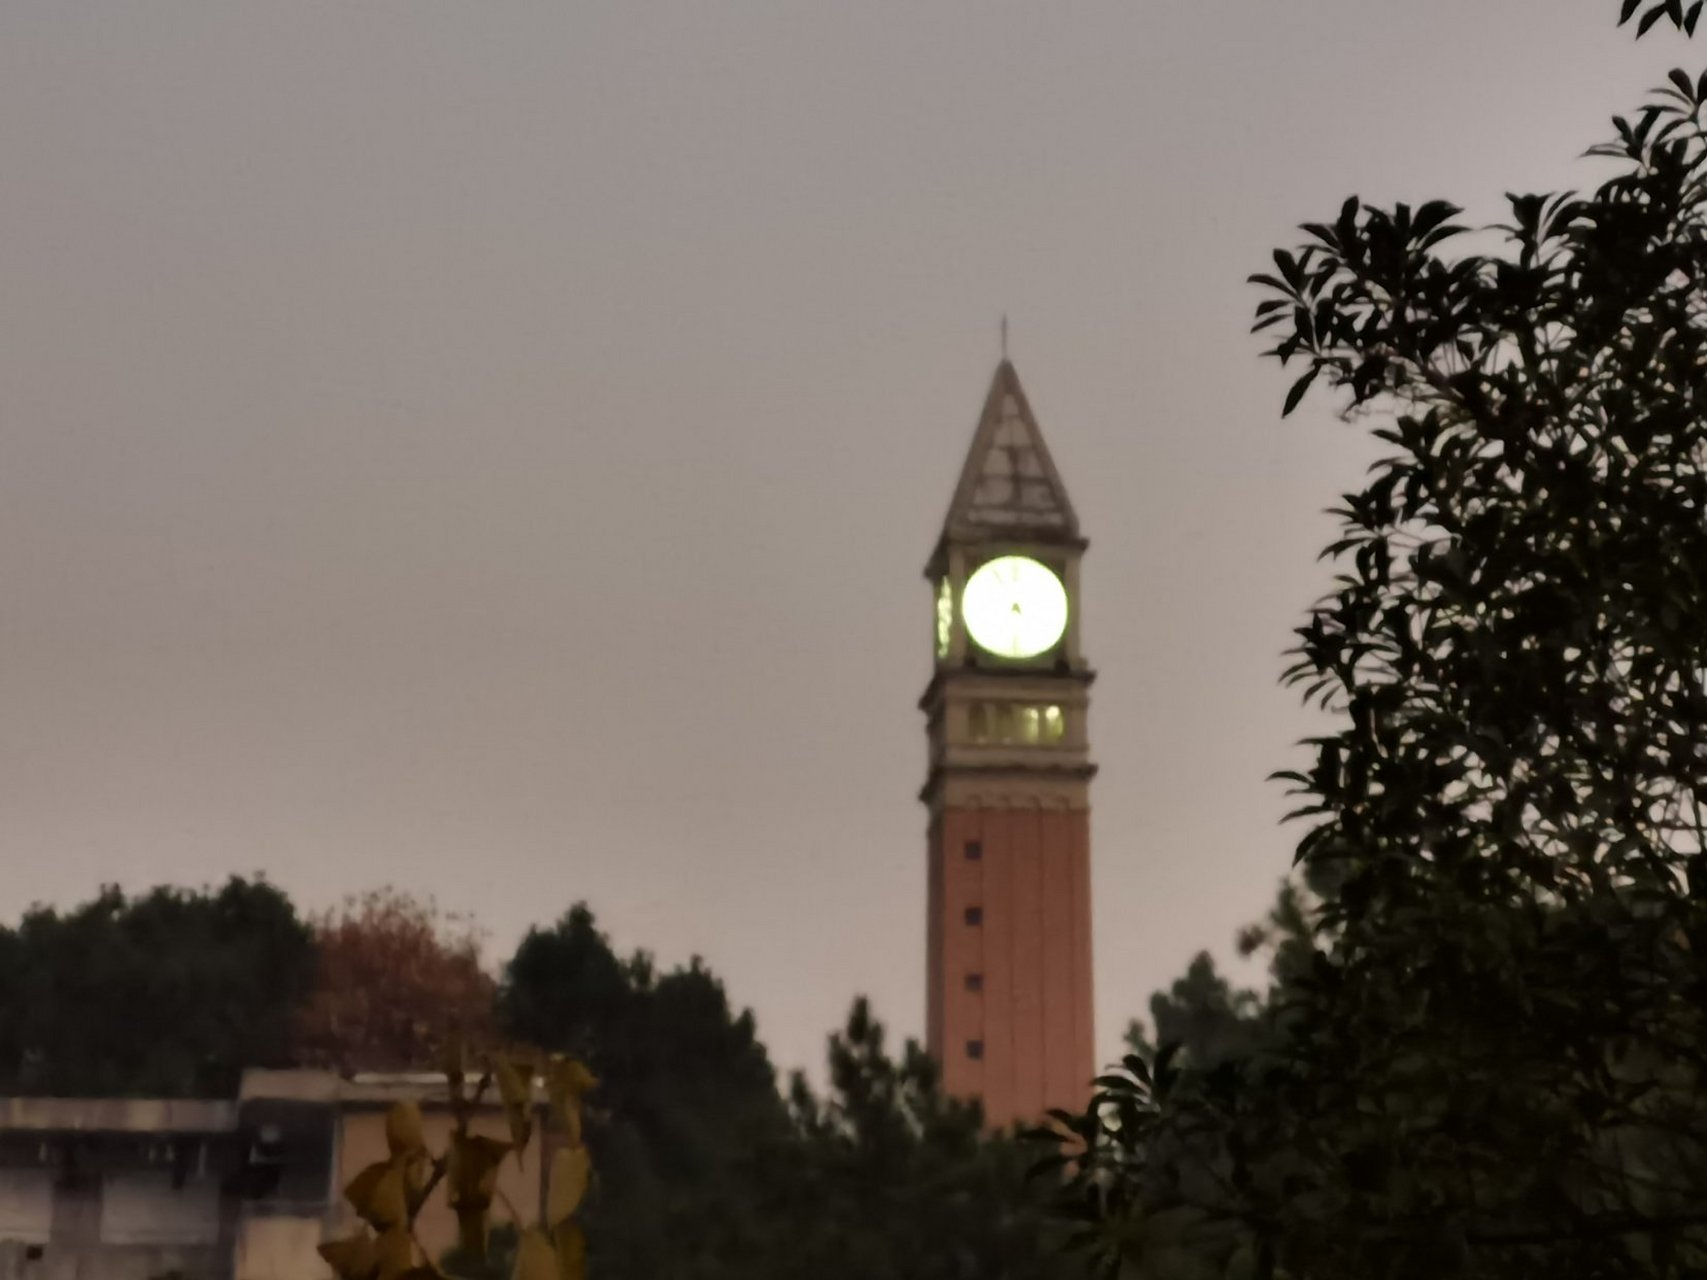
(214,1189)
(1007,790)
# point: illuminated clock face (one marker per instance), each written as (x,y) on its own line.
(944,617)
(1014,607)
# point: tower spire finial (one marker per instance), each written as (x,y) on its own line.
(1004,337)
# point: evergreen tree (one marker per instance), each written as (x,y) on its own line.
(894,1181)
(687,1100)
(172,993)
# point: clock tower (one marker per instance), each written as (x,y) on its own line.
(1008,1014)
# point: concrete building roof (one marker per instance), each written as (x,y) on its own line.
(221,1115)
(118,1115)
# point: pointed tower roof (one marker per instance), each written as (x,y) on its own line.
(1009,487)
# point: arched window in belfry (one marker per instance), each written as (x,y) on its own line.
(1031,725)
(1054,724)
(979,722)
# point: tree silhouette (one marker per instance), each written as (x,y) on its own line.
(172,993)
(1488,1060)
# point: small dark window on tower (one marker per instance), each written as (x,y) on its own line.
(974,982)
(974,850)
(974,1048)
(974,915)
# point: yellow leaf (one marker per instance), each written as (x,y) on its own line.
(352,1258)
(568,1121)
(396,1253)
(376,1194)
(403,1132)
(571,1168)
(567,1081)
(580,1079)
(535,1258)
(415,1171)
(571,1244)
(514,1077)
(360,1191)
(515,1087)
(390,1204)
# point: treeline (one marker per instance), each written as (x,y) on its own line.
(709,1166)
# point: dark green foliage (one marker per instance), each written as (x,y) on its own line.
(705,1172)
(565,988)
(1488,1060)
(687,1093)
(895,1182)
(1205,1015)
(1684,14)
(172,993)
(1208,1021)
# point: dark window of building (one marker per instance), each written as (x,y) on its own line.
(974,982)
(974,1048)
(974,915)
(974,850)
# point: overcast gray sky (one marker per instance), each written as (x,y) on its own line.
(493,447)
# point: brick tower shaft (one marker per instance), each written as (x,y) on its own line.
(1018,985)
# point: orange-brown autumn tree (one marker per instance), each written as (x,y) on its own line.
(394,978)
